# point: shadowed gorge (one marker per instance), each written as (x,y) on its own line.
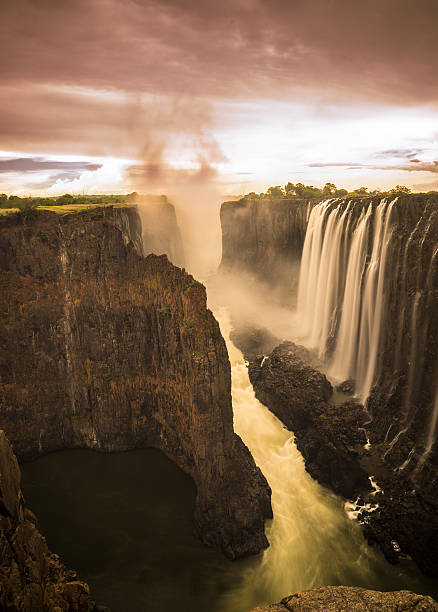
(219,306)
(105,349)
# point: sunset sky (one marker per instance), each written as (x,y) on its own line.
(123,95)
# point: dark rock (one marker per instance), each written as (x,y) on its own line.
(253,341)
(264,238)
(346,387)
(352,599)
(331,438)
(105,349)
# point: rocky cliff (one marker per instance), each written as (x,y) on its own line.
(102,348)
(330,438)
(368,307)
(353,599)
(32,579)
(264,238)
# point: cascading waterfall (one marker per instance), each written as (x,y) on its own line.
(432,427)
(341,295)
(313,541)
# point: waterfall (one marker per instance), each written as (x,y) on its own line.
(431,436)
(313,540)
(341,294)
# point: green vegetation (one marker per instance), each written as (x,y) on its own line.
(299,191)
(62,204)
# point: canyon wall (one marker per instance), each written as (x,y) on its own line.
(103,348)
(384,285)
(367,309)
(264,239)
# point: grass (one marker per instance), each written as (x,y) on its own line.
(63,209)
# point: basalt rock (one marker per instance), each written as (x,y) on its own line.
(32,579)
(401,410)
(353,599)
(329,437)
(264,238)
(105,349)
(332,441)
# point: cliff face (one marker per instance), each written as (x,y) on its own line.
(264,238)
(31,577)
(396,291)
(368,307)
(102,348)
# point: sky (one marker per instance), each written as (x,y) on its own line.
(164,96)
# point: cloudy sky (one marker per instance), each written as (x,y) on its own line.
(117,95)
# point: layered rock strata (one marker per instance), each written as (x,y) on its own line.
(102,348)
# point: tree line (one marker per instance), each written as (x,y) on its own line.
(28,203)
(299,191)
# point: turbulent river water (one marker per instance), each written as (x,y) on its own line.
(123,521)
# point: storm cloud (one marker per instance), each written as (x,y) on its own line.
(136,78)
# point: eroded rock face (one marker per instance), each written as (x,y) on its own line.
(353,599)
(32,579)
(329,437)
(102,348)
(264,238)
(333,443)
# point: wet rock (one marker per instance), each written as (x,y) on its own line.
(347,386)
(329,437)
(353,599)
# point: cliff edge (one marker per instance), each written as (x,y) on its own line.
(102,348)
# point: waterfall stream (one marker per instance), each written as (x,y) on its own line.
(313,541)
(341,288)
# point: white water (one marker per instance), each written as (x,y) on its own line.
(312,540)
(341,295)
(433,426)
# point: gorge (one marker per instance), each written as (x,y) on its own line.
(107,348)
(366,308)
